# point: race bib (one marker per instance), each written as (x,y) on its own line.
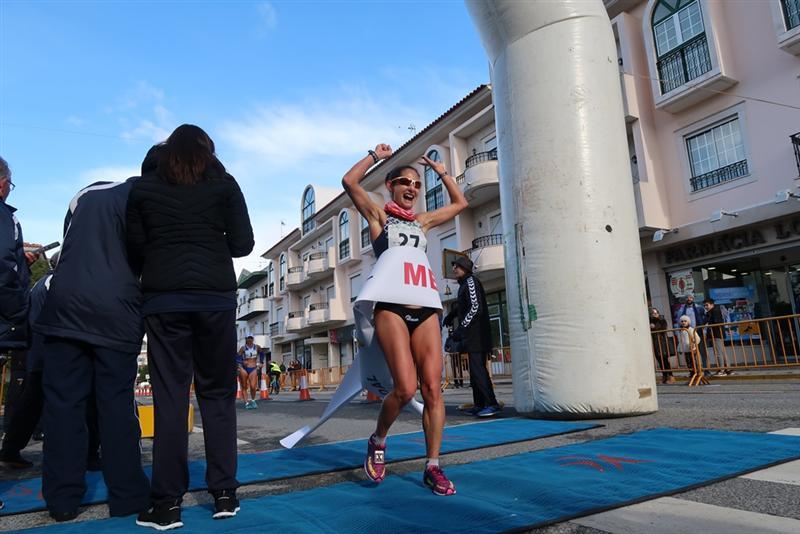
(403,234)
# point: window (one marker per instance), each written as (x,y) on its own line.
(496,224)
(282,273)
(330,293)
(271,280)
(434,196)
(328,244)
(681,44)
(716,155)
(791,13)
(344,235)
(365,242)
(308,210)
(490,144)
(449,242)
(355,286)
(306,302)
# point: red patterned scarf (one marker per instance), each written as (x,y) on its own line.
(401,213)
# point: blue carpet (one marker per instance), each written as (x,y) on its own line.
(505,494)
(25,495)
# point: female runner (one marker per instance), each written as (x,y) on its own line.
(248,370)
(410,337)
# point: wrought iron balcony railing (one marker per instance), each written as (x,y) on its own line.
(318,306)
(687,62)
(275,329)
(796,144)
(718,176)
(480,157)
(487,241)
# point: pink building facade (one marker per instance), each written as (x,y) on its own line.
(712,103)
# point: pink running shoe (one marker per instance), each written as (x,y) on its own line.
(435,479)
(375,462)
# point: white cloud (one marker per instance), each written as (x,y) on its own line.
(155,129)
(268,16)
(286,135)
(74,120)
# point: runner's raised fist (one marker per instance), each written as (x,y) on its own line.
(383,151)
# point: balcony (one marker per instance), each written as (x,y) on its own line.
(262,340)
(276,330)
(687,62)
(295,322)
(318,266)
(323,314)
(294,278)
(488,255)
(788,25)
(252,308)
(796,144)
(719,176)
(481,180)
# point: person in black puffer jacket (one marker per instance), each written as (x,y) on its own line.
(185,222)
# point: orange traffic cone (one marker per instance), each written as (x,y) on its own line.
(305,395)
(263,387)
(238,389)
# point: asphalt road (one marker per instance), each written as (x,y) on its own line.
(761,406)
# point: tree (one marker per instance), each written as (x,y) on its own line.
(38,269)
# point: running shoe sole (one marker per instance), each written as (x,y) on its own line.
(177,524)
(224,515)
(432,486)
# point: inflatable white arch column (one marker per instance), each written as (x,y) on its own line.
(576,299)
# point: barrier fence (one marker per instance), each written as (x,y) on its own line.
(755,344)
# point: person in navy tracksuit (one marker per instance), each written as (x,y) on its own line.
(93,328)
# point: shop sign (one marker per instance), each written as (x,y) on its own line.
(681,283)
(734,241)
(720,244)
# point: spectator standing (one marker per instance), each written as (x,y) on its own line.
(688,342)
(697,317)
(92,328)
(474,335)
(185,223)
(661,345)
(275,376)
(714,336)
(14,278)
(690,309)
(294,373)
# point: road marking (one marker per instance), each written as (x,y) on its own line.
(199,430)
(788,473)
(791,431)
(668,515)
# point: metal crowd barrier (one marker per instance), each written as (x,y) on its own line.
(754,344)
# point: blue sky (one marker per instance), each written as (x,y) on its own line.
(291,92)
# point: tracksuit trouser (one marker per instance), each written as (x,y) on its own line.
(482,390)
(71,369)
(182,345)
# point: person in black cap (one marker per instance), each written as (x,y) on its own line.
(473,335)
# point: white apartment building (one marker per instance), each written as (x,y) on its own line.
(711,93)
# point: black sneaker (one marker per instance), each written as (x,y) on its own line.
(161,516)
(60,517)
(13,460)
(225,504)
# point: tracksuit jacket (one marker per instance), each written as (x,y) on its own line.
(14,280)
(94,294)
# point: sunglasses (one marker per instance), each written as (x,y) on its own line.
(408,182)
